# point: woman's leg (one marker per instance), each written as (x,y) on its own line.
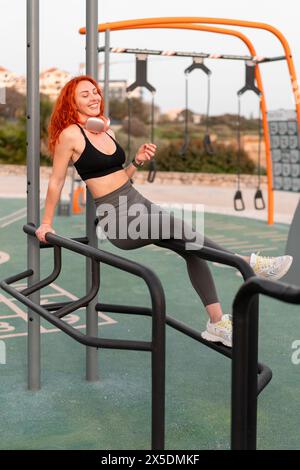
(156,224)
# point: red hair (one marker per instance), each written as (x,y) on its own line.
(64,113)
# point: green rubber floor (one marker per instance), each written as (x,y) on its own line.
(114,413)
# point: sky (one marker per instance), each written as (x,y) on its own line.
(61,46)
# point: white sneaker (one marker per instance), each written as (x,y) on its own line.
(220,331)
(270,267)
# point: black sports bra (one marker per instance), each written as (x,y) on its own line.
(93,163)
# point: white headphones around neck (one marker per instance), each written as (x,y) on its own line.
(97,125)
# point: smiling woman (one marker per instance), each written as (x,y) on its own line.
(99,160)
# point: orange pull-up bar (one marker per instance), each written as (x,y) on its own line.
(221,21)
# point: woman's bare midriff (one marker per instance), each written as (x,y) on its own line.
(103,185)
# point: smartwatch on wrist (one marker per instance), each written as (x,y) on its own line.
(137,164)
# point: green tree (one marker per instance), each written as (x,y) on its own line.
(224,160)
(13,142)
(118,109)
(14,106)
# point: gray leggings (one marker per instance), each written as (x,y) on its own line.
(114,220)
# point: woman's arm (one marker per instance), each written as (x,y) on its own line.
(61,158)
(144,153)
(62,155)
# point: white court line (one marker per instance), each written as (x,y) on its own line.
(19,312)
(248,247)
(276,239)
(220,237)
(4,317)
(260,233)
(269,235)
(63,291)
(11,220)
(108,321)
(60,292)
(13,214)
(21,216)
(4,257)
(245,243)
(268,249)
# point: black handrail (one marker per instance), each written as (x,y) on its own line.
(51,278)
(157,344)
(246,321)
(242,377)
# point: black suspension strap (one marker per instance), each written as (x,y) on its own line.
(238,200)
(198,64)
(141,81)
(259,202)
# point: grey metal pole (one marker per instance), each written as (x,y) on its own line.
(91,313)
(106,72)
(33,186)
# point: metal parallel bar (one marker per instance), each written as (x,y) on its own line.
(204,55)
(84,301)
(264,377)
(102,256)
(84,240)
(157,346)
(33,186)
(264,372)
(72,332)
(129,309)
(18,277)
(50,278)
(94,253)
(206,253)
(187,330)
(56,305)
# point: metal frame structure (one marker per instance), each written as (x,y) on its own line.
(196,23)
(249,377)
(241,378)
(244,354)
(202,55)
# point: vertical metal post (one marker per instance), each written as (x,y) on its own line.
(91,313)
(33,186)
(106,72)
(252,373)
(244,374)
